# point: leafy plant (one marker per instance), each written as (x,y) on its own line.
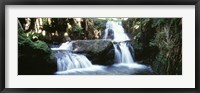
(158,42)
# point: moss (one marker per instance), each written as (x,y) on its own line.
(34,57)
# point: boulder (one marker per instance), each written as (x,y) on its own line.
(34,58)
(97,51)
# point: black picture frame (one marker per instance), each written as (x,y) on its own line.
(3,3)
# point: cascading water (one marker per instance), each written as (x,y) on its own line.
(115,31)
(67,60)
(70,63)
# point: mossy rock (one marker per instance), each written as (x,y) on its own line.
(34,58)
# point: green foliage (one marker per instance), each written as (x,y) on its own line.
(42,48)
(57,29)
(34,57)
(158,22)
(100,24)
(77,28)
(26,43)
(158,42)
(45,21)
(33,35)
(169,42)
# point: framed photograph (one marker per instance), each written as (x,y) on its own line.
(99,46)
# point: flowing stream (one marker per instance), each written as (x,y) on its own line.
(70,63)
(70,60)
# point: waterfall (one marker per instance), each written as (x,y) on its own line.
(67,60)
(115,31)
(70,63)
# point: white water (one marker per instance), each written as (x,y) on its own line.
(126,55)
(122,53)
(118,55)
(67,60)
(116,69)
(118,31)
(76,64)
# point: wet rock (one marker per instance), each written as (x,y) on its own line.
(97,51)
